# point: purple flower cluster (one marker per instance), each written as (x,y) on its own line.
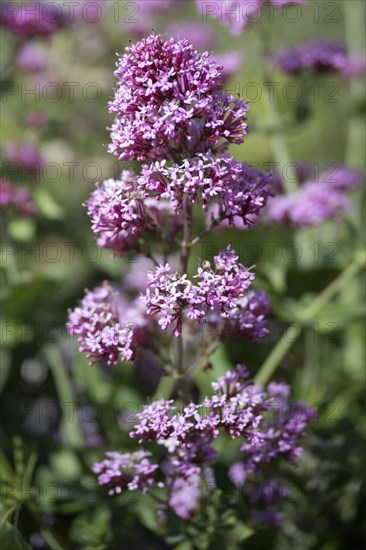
(217,290)
(32,58)
(106,325)
(237,14)
(249,318)
(287,423)
(117,212)
(120,212)
(185,495)
(237,407)
(317,56)
(240,191)
(16,198)
(132,471)
(168,102)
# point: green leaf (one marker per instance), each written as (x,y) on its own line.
(65,465)
(240,532)
(48,206)
(11,539)
(145,511)
(98,388)
(22,229)
(70,427)
(220,363)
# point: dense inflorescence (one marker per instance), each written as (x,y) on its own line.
(105,324)
(268,426)
(239,190)
(168,103)
(216,289)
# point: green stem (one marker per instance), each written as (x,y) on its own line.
(287,340)
(278,140)
(353,345)
(178,342)
(70,426)
(355,36)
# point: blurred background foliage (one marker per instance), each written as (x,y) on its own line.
(48,260)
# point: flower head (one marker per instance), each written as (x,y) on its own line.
(131,470)
(216,289)
(168,102)
(105,325)
(120,212)
(239,191)
(237,407)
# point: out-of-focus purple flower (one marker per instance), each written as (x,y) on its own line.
(26,20)
(235,14)
(317,56)
(217,290)
(268,492)
(36,119)
(90,11)
(24,156)
(37,541)
(185,495)
(311,205)
(237,473)
(168,103)
(231,63)
(152,7)
(132,471)
(90,428)
(199,35)
(264,516)
(281,3)
(342,178)
(106,325)
(281,432)
(354,66)
(136,278)
(32,58)
(336,176)
(17,198)
(249,318)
